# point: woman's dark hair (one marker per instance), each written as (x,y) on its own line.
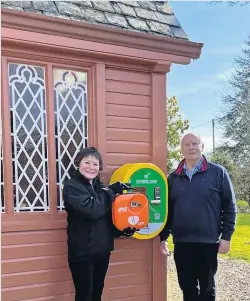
(86,152)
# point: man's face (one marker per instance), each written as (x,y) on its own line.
(191,147)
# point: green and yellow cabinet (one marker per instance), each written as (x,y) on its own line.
(150,180)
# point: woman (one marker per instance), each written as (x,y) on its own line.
(90,229)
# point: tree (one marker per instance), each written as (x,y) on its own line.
(176,126)
(236,103)
(231,3)
(242,183)
(235,122)
(221,157)
(239,175)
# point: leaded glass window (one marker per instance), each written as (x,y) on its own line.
(35,108)
(29,137)
(70,97)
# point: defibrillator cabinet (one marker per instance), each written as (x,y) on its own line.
(151,181)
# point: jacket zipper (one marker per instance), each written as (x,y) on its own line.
(197,172)
(92,228)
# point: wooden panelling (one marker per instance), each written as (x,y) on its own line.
(129,148)
(135,298)
(28,237)
(34,277)
(71,297)
(64,297)
(124,243)
(130,135)
(33,223)
(117,268)
(132,255)
(37,291)
(119,159)
(33,250)
(128,279)
(128,123)
(66,287)
(129,118)
(128,111)
(128,99)
(129,291)
(127,87)
(34,264)
(35,268)
(59,262)
(128,76)
(126,276)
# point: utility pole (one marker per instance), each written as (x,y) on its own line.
(213,135)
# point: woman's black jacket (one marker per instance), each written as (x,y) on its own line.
(90,229)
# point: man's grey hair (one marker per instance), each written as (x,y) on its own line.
(193,134)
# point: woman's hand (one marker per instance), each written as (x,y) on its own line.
(129,231)
(116,187)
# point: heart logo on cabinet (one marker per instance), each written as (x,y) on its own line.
(133,220)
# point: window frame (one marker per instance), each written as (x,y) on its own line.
(18,221)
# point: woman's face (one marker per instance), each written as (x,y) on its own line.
(89,167)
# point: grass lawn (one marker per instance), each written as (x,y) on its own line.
(240,247)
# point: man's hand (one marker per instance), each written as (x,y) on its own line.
(164,248)
(224,246)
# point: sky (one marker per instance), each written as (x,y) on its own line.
(199,85)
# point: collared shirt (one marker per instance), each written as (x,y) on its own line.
(195,169)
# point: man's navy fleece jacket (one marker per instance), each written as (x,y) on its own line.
(202,209)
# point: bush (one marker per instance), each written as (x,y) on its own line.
(243,206)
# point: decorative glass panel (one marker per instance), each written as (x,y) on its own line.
(29,137)
(70,122)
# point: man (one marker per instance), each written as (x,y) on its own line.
(202,214)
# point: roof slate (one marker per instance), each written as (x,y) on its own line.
(149,17)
